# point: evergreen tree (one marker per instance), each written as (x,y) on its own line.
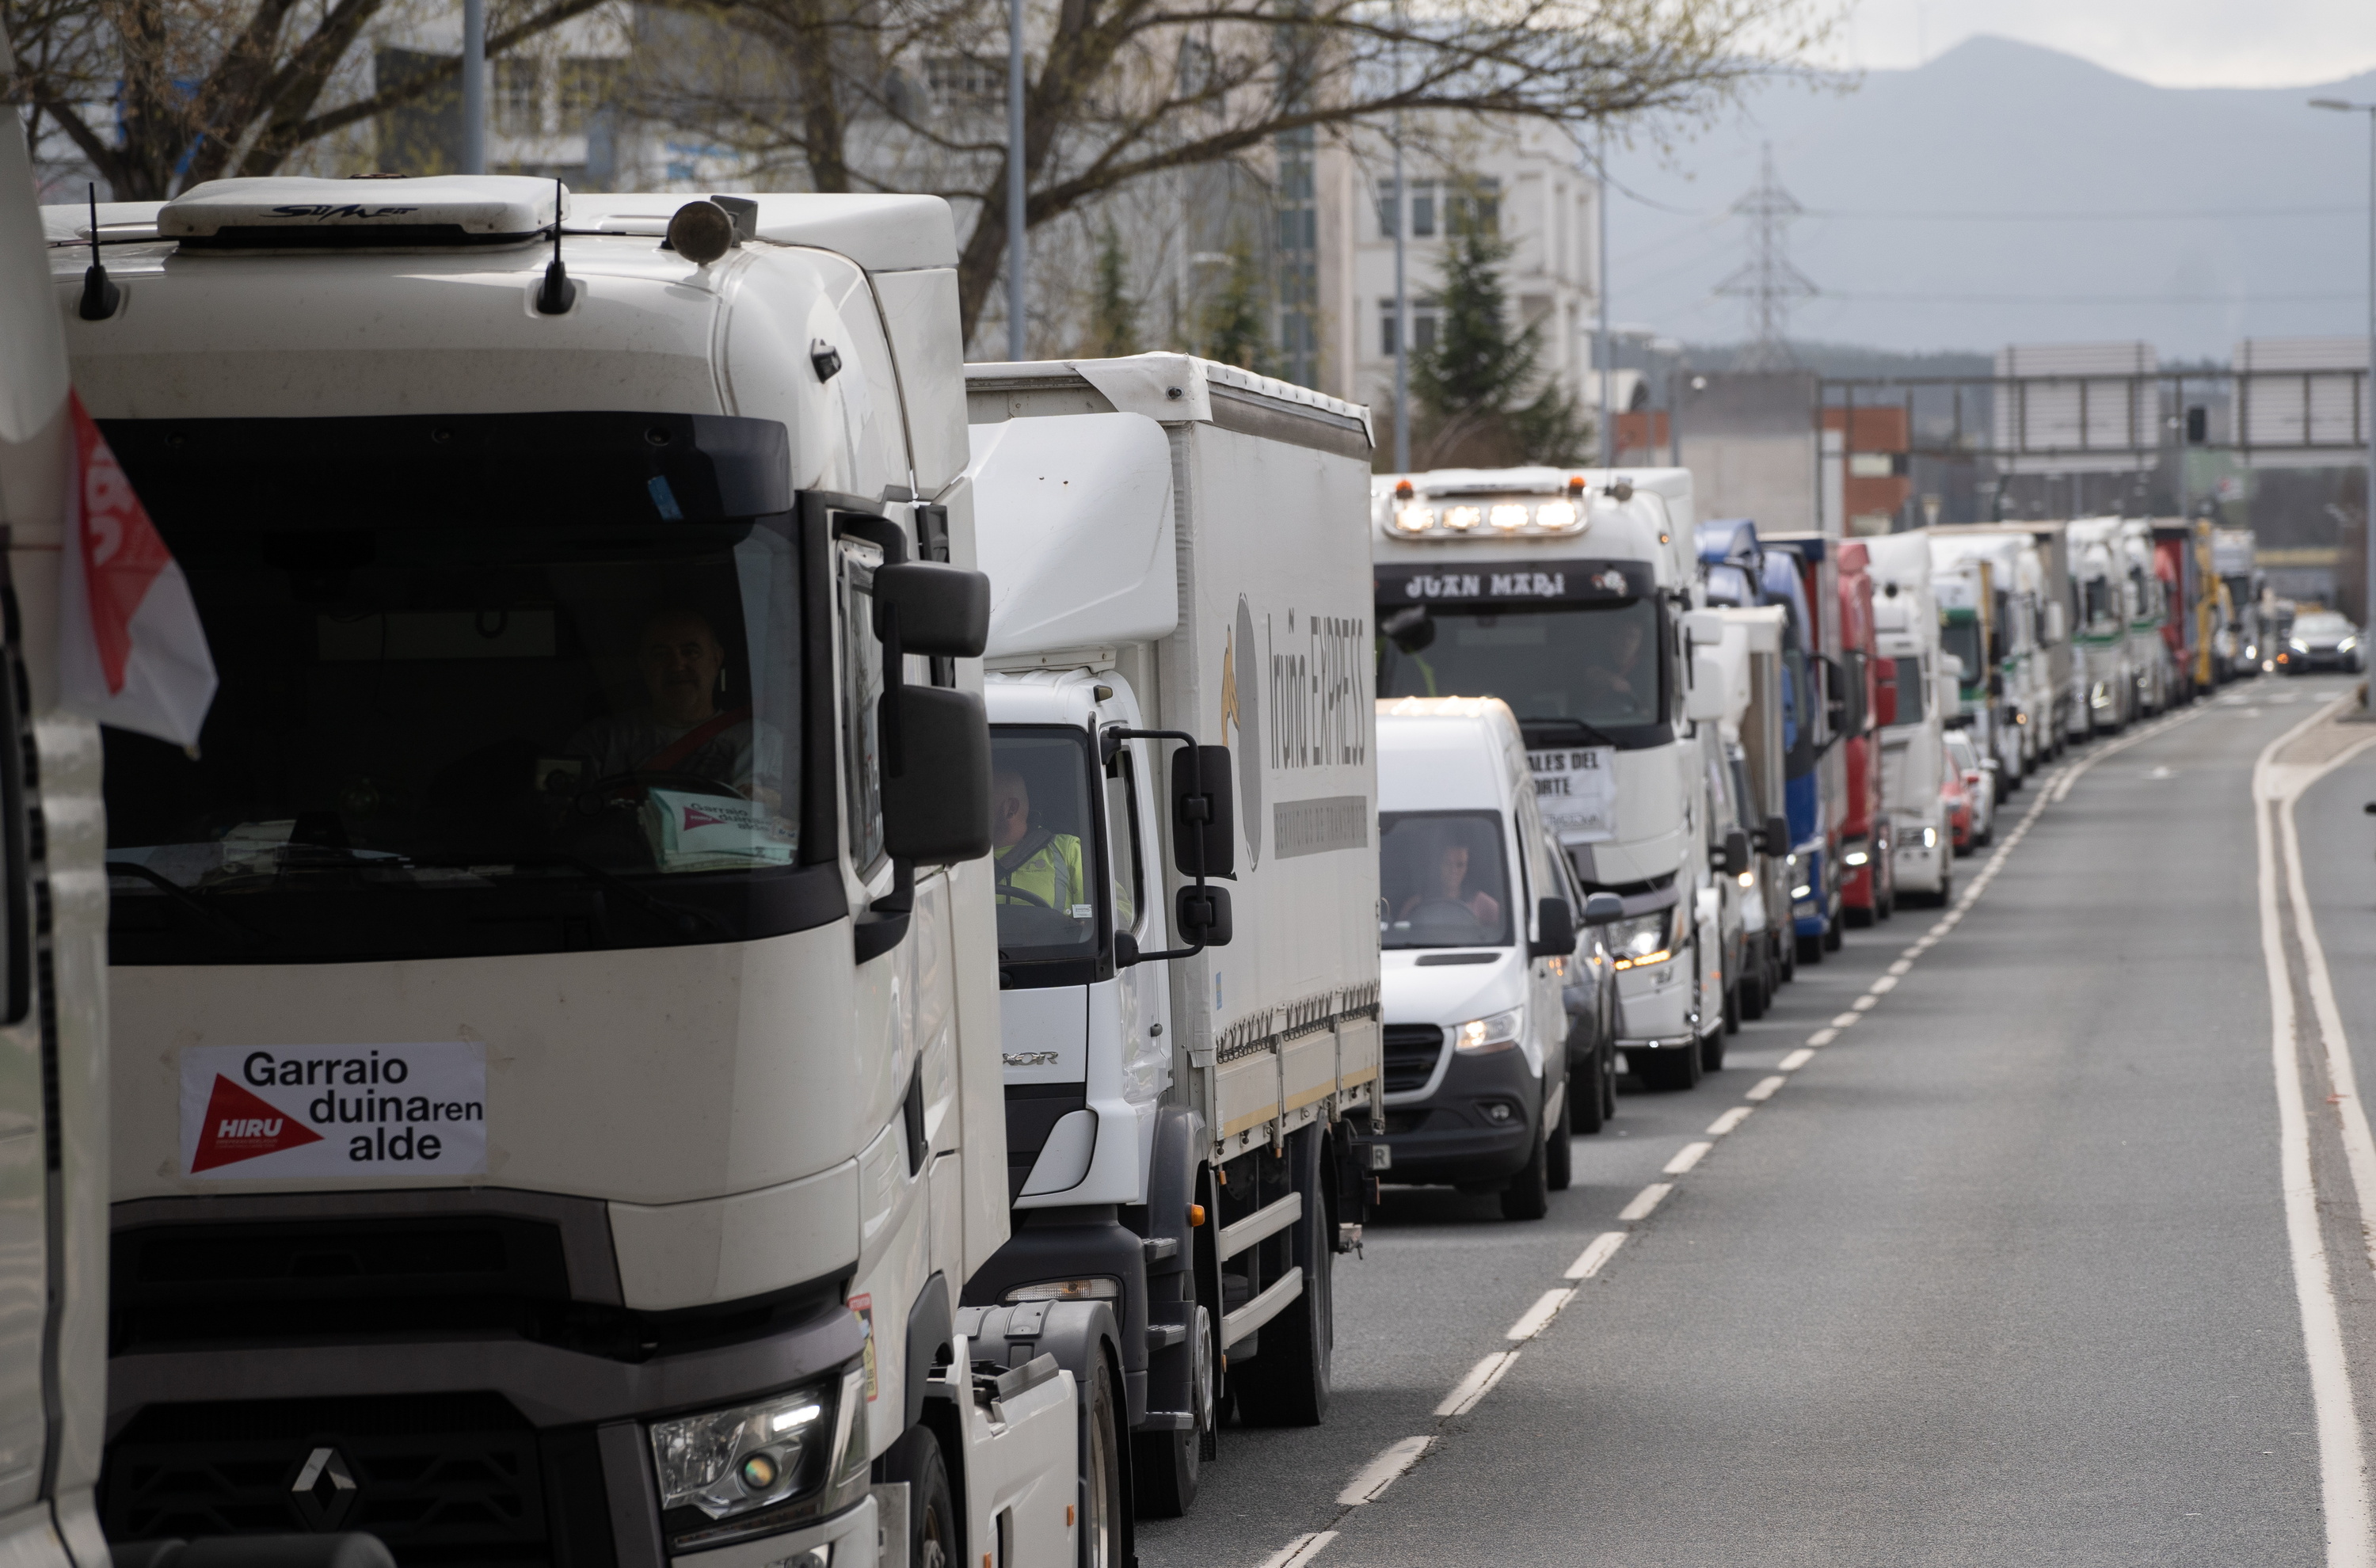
(1114,317)
(1236,320)
(1477,402)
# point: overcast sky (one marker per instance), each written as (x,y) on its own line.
(2168,42)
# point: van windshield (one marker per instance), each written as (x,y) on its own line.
(434,739)
(1441,880)
(1593,672)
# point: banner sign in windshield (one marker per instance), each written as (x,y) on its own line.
(1576,789)
(1510,582)
(262,1113)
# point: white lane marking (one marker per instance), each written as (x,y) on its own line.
(1765,1087)
(1645,1201)
(1383,1471)
(2289,784)
(1478,1383)
(1845,1021)
(1536,1318)
(1943,928)
(1796,1060)
(2159,773)
(1903,965)
(2343,1480)
(1866,1003)
(1823,1037)
(1729,1120)
(1299,1551)
(1604,1246)
(1888,983)
(1689,1156)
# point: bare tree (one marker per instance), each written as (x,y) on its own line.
(206,88)
(905,94)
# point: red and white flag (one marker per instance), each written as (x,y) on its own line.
(131,652)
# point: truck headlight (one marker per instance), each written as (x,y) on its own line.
(761,1467)
(1100,1287)
(1853,858)
(2297,644)
(1643,939)
(1930,837)
(1480,1037)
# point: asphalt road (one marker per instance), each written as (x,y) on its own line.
(1998,1273)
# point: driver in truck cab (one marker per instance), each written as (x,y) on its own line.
(1035,865)
(1622,679)
(683,730)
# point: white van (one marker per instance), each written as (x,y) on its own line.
(1478,936)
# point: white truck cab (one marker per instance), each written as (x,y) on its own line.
(1563,595)
(1916,695)
(1478,935)
(558,996)
(2105,601)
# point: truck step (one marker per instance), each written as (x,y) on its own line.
(1262,1224)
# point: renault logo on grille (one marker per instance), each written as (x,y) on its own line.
(324,1489)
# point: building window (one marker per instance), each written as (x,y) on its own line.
(1422,326)
(587,87)
(520,97)
(955,78)
(1475,201)
(1422,210)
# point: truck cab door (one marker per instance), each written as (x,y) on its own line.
(1135,877)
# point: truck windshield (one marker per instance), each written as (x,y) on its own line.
(2103,600)
(1441,881)
(438,740)
(1044,849)
(1591,671)
(1961,638)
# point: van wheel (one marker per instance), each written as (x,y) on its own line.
(1810,950)
(1587,1098)
(1559,1160)
(1528,1196)
(1832,936)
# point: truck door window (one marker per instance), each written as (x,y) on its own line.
(1442,879)
(862,711)
(1909,690)
(1122,837)
(1043,852)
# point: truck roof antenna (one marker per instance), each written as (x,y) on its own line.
(100,296)
(555,294)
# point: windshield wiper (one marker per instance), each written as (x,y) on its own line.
(1593,733)
(683,919)
(193,901)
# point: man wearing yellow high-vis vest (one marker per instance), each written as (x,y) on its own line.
(1035,866)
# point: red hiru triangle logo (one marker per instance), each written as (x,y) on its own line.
(695,818)
(240,1126)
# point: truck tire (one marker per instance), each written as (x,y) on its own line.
(1103,1538)
(1559,1160)
(1810,950)
(1286,1385)
(1666,1070)
(1528,1196)
(1711,1051)
(1753,997)
(1732,1008)
(1587,1098)
(1167,1466)
(934,1535)
(1832,937)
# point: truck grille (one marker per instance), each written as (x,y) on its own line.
(1411,1052)
(448,1481)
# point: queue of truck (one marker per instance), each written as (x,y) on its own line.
(816,964)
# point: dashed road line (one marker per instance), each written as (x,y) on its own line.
(1645,1201)
(1536,1318)
(1796,1060)
(1589,1261)
(1382,1472)
(1687,1156)
(1765,1086)
(1299,1551)
(1477,1385)
(1729,1120)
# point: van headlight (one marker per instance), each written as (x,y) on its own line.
(752,1468)
(1482,1037)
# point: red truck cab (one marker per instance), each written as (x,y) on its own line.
(1867,887)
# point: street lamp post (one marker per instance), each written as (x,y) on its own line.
(2368,399)
(1017,241)
(474,88)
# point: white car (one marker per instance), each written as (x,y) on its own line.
(1979,783)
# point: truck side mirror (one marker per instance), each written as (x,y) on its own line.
(1201,807)
(932,608)
(1202,916)
(1554,929)
(1705,703)
(1996,682)
(1774,836)
(1603,908)
(939,816)
(1125,950)
(1733,854)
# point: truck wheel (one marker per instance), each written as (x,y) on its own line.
(1732,1008)
(1559,1160)
(1711,1051)
(1832,936)
(1103,1519)
(1666,1070)
(1166,1467)
(933,1533)
(1286,1385)
(1753,997)
(1786,958)
(1810,950)
(1528,1194)
(1608,1078)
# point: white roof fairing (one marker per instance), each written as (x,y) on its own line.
(1072,523)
